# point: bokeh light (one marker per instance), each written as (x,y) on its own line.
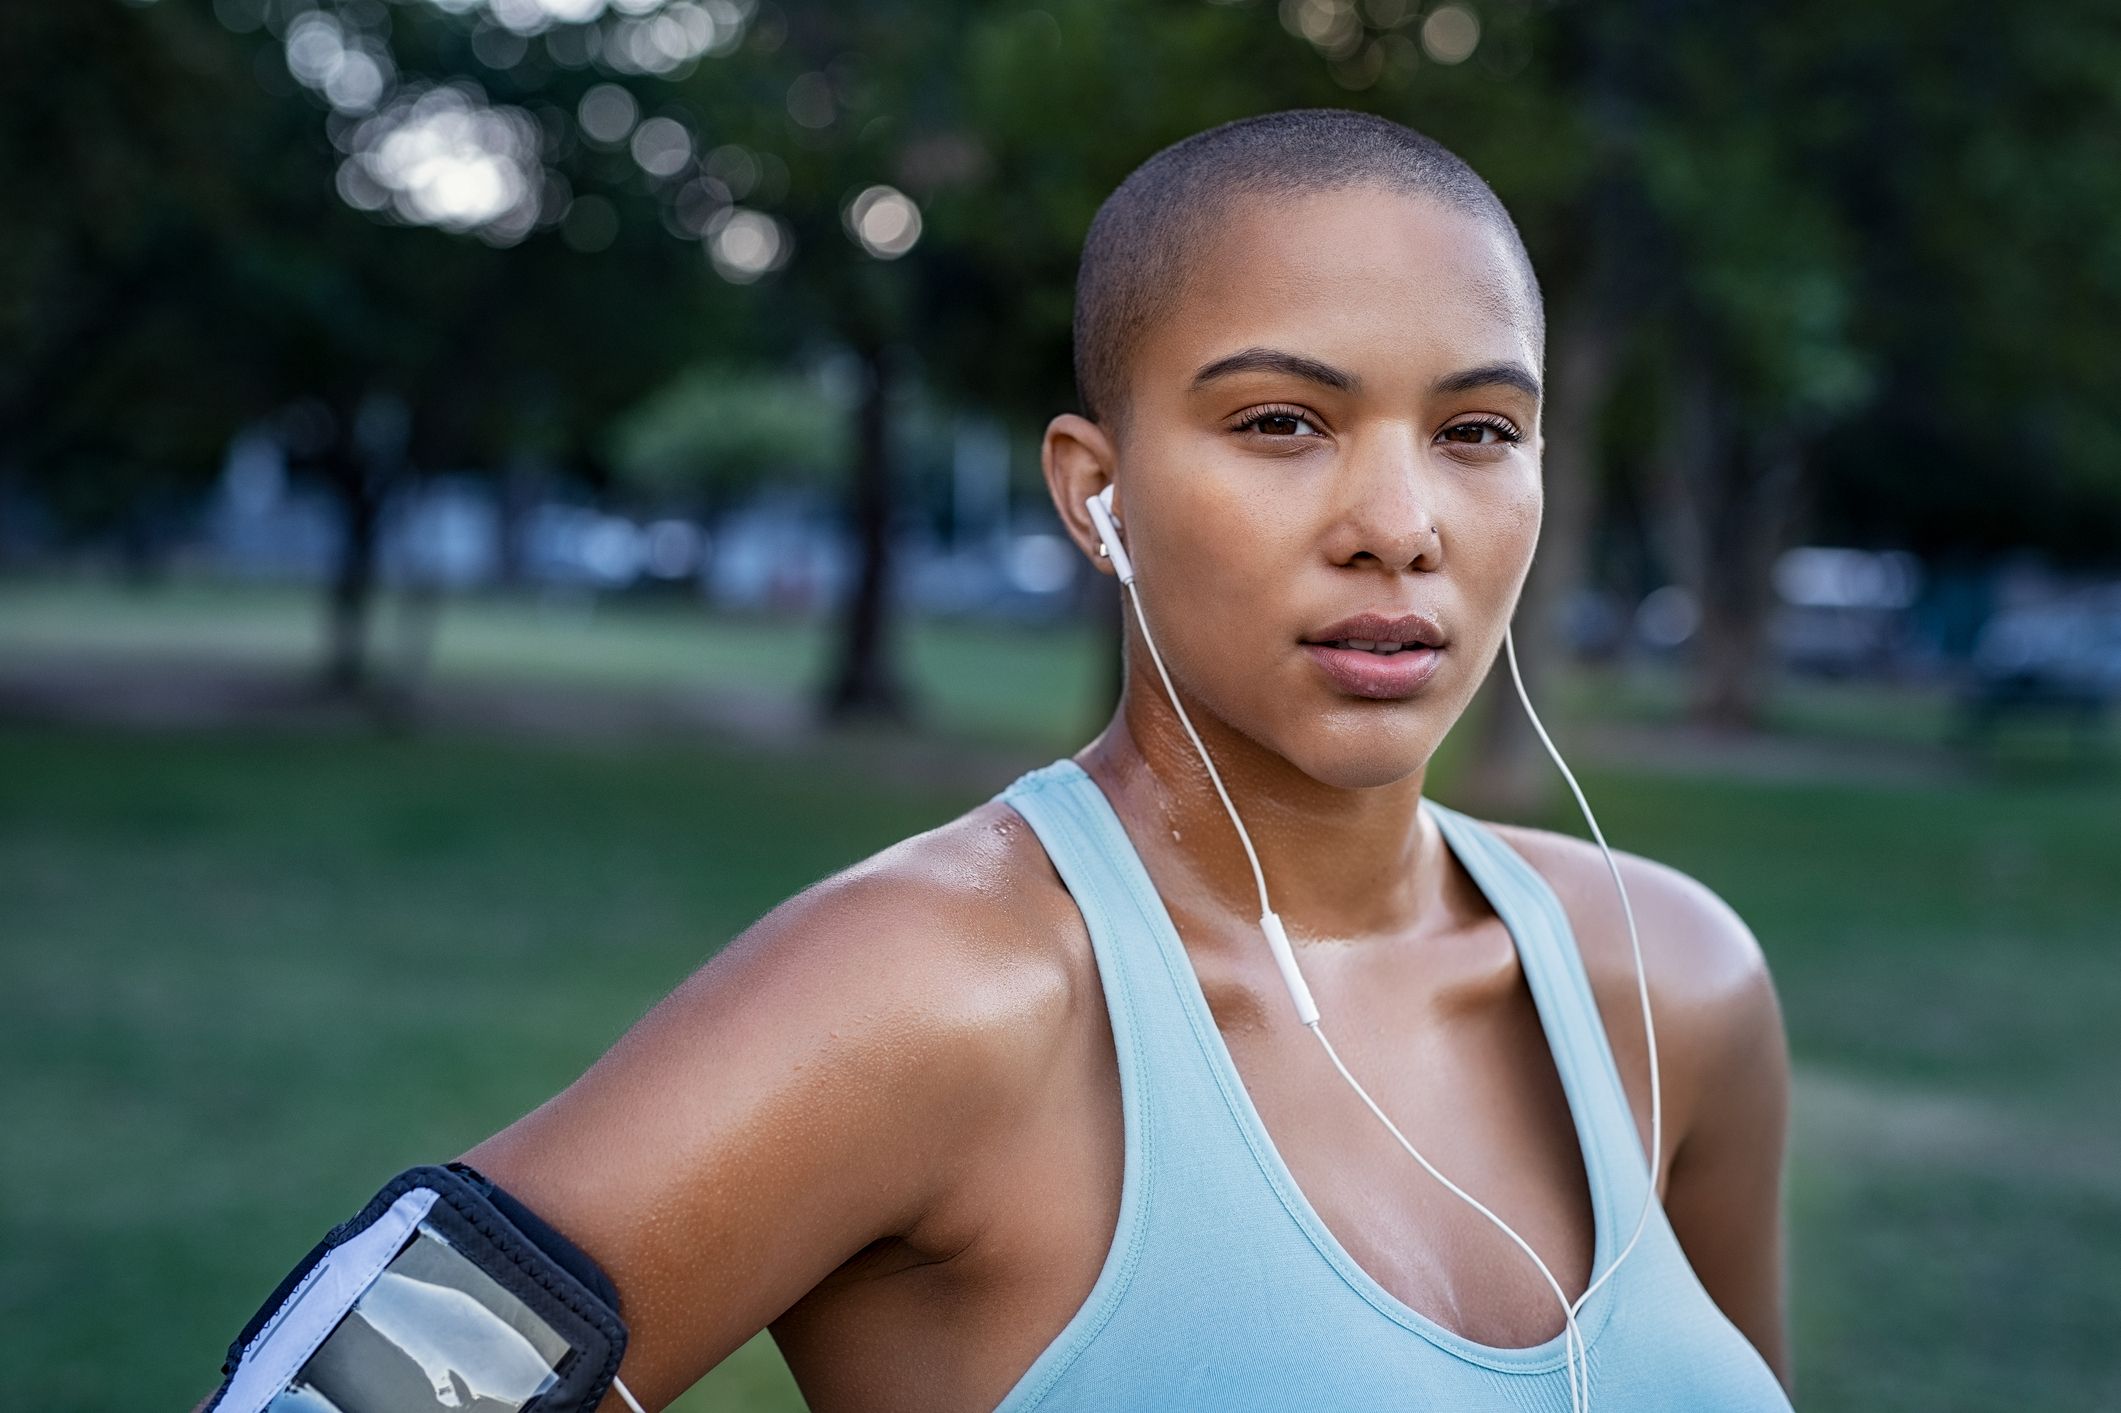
(1332,26)
(662,147)
(744,244)
(694,206)
(883,220)
(348,66)
(444,157)
(810,101)
(1450,34)
(665,39)
(571,12)
(734,167)
(607,113)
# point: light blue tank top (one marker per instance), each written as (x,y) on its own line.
(1224,1290)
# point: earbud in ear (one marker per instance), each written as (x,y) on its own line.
(1100,508)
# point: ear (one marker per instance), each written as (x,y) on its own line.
(1079,461)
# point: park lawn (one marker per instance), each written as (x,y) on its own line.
(973,680)
(309,959)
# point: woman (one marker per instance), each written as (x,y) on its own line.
(1018,1112)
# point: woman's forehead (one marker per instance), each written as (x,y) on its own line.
(1360,274)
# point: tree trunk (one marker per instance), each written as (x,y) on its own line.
(1687,442)
(1749,511)
(14,498)
(520,486)
(351,598)
(1509,773)
(364,461)
(1730,501)
(867,683)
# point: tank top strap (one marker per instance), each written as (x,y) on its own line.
(1052,801)
(1174,1101)
(1152,1025)
(1561,989)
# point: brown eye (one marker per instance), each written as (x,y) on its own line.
(1277,422)
(1481,432)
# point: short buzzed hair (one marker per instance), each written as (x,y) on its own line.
(1144,235)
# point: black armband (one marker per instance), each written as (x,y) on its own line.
(443,1293)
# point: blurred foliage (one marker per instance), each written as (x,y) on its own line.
(1847,271)
(729,428)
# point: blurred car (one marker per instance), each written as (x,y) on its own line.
(2060,655)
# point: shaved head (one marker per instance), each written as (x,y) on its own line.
(1155,225)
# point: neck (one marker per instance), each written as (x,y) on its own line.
(1340,864)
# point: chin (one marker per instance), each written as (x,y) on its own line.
(1362,745)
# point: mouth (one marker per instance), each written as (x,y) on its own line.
(1367,645)
(1385,673)
(1378,656)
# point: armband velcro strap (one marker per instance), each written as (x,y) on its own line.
(444,1292)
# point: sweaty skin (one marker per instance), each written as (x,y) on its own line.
(885,1120)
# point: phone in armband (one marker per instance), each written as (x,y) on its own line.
(443,1293)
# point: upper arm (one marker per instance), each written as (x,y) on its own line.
(801,1096)
(1724,1198)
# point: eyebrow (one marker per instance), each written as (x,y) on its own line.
(1274,360)
(1510,375)
(1296,365)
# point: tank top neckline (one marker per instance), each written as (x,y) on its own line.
(1551,999)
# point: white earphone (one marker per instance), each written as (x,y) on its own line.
(1101,515)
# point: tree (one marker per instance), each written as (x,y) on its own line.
(112,399)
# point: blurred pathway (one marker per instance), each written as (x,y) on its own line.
(194,693)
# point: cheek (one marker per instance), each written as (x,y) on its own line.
(1219,594)
(1515,513)
(1221,534)
(1236,573)
(1531,508)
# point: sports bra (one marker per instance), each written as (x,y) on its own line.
(1223,1288)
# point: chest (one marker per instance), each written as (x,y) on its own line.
(1447,1040)
(1463,1067)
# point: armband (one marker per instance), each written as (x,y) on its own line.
(443,1293)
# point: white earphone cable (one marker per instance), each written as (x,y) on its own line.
(1655,1153)
(1575,1351)
(1244,837)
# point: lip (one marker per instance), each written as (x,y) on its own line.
(1382,628)
(1381,676)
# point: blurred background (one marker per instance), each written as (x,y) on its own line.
(496,494)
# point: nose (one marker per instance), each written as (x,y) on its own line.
(1385,508)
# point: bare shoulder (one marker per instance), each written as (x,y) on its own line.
(965,934)
(963,930)
(821,1087)
(1699,950)
(1718,1021)
(945,968)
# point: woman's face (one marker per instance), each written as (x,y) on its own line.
(1340,416)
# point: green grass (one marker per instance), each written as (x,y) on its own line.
(994,684)
(291,966)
